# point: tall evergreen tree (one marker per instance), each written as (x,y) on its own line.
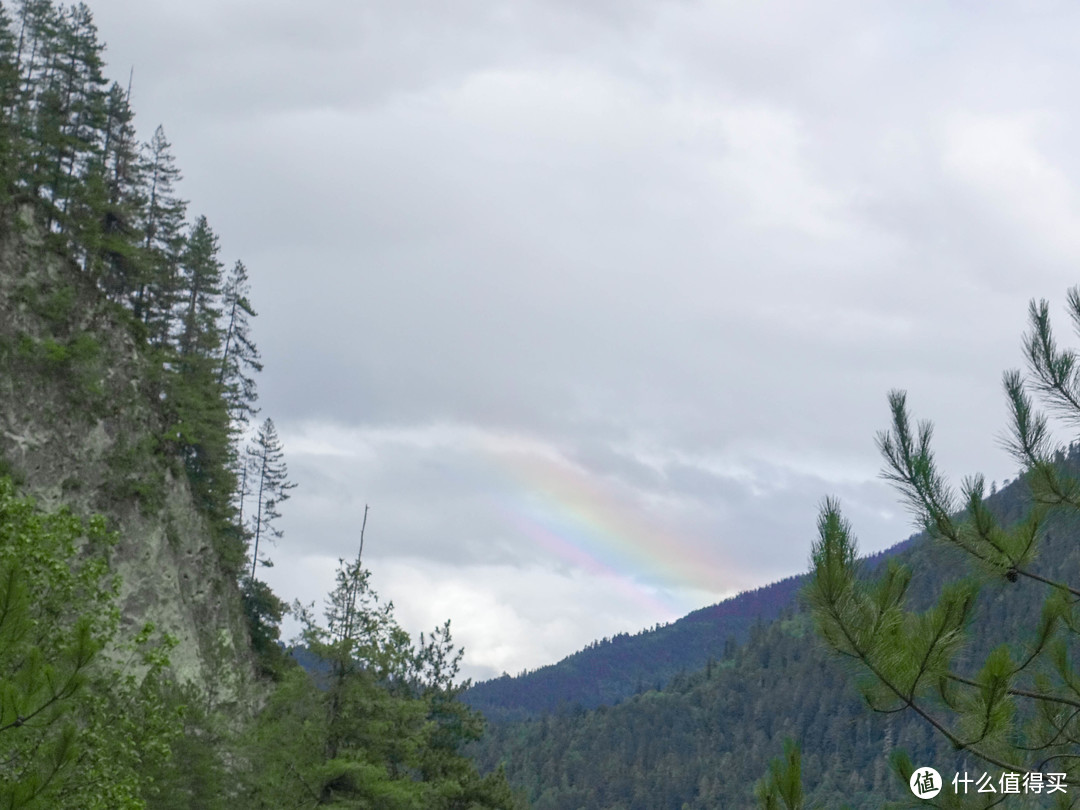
(201,268)
(125,269)
(269,484)
(239,355)
(9,106)
(39,25)
(374,734)
(71,119)
(200,417)
(155,299)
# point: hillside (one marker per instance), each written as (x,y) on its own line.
(703,740)
(612,670)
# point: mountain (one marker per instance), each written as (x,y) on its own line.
(612,670)
(702,741)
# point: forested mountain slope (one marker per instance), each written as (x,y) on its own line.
(611,670)
(702,741)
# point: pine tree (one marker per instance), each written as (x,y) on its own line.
(39,25)
(1016,710)
(239,356)
(156,298)
(82,86)
(198,412)
(117,177)
(782,789)
(378,731)
(201,269)
(9,106)
(70,122)
(269,484)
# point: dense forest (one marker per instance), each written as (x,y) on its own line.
(707,737)
(124,337)
(612,669)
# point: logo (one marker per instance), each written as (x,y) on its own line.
(925,783)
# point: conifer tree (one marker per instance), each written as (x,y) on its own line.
(239,355)
(201,427)
(375,734)
(39,24)
(9,106)
(782,789)
(155,299)
(201,268)
(1017,709)
(117,179)
(70,120)
(269,484)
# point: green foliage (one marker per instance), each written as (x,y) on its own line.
(203,755)
(782,788)
(1016,710)
(76,728)
(382,729)
(264,612)
(75,361)
(134,473)
(8,471)
(868,622)
(268,476)
(56,306)
(71,355)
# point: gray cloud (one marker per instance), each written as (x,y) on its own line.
(675,252)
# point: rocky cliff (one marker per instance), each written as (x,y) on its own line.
(80,425)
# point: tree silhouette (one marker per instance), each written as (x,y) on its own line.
(269,484)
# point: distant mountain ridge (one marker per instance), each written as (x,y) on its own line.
(702,741)
(611,670)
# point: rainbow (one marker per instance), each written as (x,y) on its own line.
(590,525)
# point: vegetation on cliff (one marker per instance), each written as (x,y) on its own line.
(82,712)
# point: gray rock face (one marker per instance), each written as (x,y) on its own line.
(78,427)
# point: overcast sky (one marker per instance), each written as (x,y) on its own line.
(593,301)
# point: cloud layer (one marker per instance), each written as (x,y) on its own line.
(593,302)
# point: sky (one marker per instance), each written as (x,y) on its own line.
(593,302)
